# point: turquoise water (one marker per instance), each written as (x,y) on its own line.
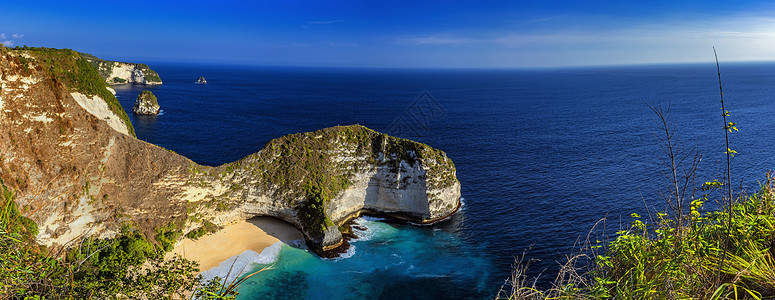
(388,261)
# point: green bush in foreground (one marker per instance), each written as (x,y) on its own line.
(127,267)
(650,260)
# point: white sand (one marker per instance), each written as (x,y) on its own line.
(255,234)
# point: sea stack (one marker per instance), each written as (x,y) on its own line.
(146,104)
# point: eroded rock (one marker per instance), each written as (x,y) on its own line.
(76,176)
(146,104)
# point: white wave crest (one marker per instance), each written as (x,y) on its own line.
(362,232)
(350,252)
(237,265)
(370,219)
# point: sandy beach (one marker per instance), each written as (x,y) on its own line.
(254,234)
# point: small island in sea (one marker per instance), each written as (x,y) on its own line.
(146,104)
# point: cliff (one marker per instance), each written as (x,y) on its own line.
(114,72)
(319,180)
(146,104)
(76,174)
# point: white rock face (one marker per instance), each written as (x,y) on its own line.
(403,191)
(383,191)
(130,73)
(1,92)
(97,107)
(146,104)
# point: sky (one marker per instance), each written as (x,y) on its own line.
(399,34)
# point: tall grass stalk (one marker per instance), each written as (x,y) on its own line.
(724,254)
(728,126)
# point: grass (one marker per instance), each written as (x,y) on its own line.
(723,254)
(96,268)
(105,67)
(303,169)
(150,75)
(149,99)
(650,260)
(207,227)
(78,75)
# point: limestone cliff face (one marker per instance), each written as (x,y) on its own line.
(76,175)
(319,180)
(146,104)
(114,72)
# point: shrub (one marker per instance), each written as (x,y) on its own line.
(77,74)
(167,236)
(207,227)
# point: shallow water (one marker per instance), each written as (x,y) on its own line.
(388,261)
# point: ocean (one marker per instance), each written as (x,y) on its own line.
(541,155)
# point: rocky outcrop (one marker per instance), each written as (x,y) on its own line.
(114,72)
(319,180)
(146,104)
(76,176)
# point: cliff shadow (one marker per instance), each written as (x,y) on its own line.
(278,229)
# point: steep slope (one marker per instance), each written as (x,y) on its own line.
(75,73)
(77,176)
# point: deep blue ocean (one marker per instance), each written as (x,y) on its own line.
(541,156)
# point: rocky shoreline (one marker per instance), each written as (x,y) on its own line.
(348,235)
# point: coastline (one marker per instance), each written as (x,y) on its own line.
(255,234)
(340,248)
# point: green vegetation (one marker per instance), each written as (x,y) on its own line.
(25,63)
(78,75)
(150,75)
(207,227)
(723,254)
(148,96)
(12,222)
(105,68)
(306,169)
(650,260)
(96,268)
(167,236)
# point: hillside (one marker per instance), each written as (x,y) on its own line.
(76,174)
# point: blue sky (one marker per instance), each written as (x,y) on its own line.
(404,34)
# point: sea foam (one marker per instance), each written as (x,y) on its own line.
(235,266)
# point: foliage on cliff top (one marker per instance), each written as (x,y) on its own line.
(148,98)
(310,159)
(105,66)
(316,166)
(78,75)
(150,75)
